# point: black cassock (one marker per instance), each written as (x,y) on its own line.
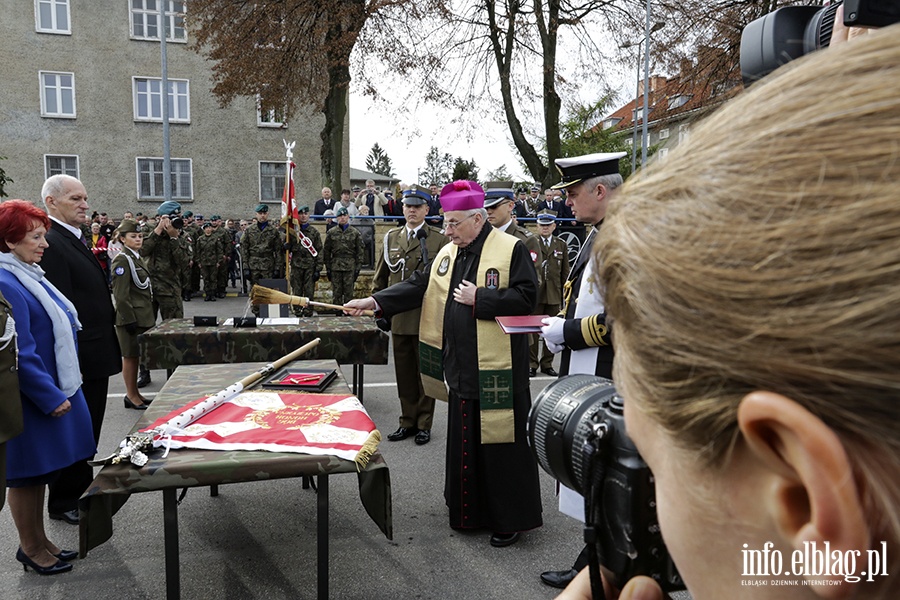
(494,486)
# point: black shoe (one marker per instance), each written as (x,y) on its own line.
(500,540)
(558,579)
(220,294)
(401,434)
(70,516)
(550,371)
(59,567)
(130,404)
(67,555)
(532,372)
(143,379)
(206,298)
(186,296)
(423,437)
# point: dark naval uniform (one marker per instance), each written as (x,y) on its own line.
(344,254)
(590,331)
(402,257)
(554,269)
(305,267)
(493,486)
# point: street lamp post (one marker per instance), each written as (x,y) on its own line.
(637,95)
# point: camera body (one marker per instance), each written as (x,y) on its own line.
(792,31)
(576,429)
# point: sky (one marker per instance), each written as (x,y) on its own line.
(407,138)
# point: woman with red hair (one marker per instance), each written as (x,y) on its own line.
(57,426)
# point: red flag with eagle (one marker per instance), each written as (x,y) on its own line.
(290,219)
(320,424)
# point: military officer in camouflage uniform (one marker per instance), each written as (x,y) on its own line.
(344,255)
(408,249)
(209,256)
(227,243)
(192,232)
(260,246)
(306,261)
(166,255)
(554,271)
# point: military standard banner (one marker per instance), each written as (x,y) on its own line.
(276,421)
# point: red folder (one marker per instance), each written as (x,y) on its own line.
(521,324)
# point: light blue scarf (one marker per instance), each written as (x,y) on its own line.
(31,277)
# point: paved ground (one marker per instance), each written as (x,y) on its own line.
(257,540)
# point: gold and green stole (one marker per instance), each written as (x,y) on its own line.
(495,376)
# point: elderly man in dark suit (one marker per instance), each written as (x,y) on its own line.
(71,267)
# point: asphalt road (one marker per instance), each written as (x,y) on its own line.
(257,540)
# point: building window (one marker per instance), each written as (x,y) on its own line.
(52,16)
(637,114)
(60,164)
(269,118)
(145,20)
(663,153)
(271,181)
(150,179)
(148,100)
(57,94)
(679,101)
(610,122)
(664,133)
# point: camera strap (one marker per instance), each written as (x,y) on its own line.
(593,506)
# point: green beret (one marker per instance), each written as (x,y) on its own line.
(304,209)
(207,225)
(169,208)
(341,211)
(262,208)
(187,214)
(215,218)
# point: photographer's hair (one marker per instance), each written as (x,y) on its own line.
(54,185)
(764,254)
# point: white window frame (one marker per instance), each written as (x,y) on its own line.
(178,193)
(664,133)
(48,172)
(611,122)
(175,18)
(53,27)
(58,90)
(269,118)
(154,96)
(663,153)
(276,180)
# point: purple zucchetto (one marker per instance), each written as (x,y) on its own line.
(462,195)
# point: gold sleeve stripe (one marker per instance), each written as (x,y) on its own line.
(593,331)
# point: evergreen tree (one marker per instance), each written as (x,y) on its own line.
(379,162)
(465,169)
(438,168)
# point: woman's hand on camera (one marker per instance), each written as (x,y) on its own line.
(841,33)
(639,588)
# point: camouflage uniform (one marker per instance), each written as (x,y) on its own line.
(227,242)
(260,249)
(209,256)
(193,232)
(305,267)
(344,255)
(166,259)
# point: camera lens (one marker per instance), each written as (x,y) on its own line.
(177,222)
(562,418)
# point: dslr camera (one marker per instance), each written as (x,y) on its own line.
(792,31)
(576,429)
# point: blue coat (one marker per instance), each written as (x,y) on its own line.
(46,443)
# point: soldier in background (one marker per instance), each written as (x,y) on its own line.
(209,256)
(500,203)
(306,261)
(408,249)
(554,270)
(166,255)
(344,255)
(226,246)
(192,232)
(260,246)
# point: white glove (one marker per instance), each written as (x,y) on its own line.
(554,348)
(552,332)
